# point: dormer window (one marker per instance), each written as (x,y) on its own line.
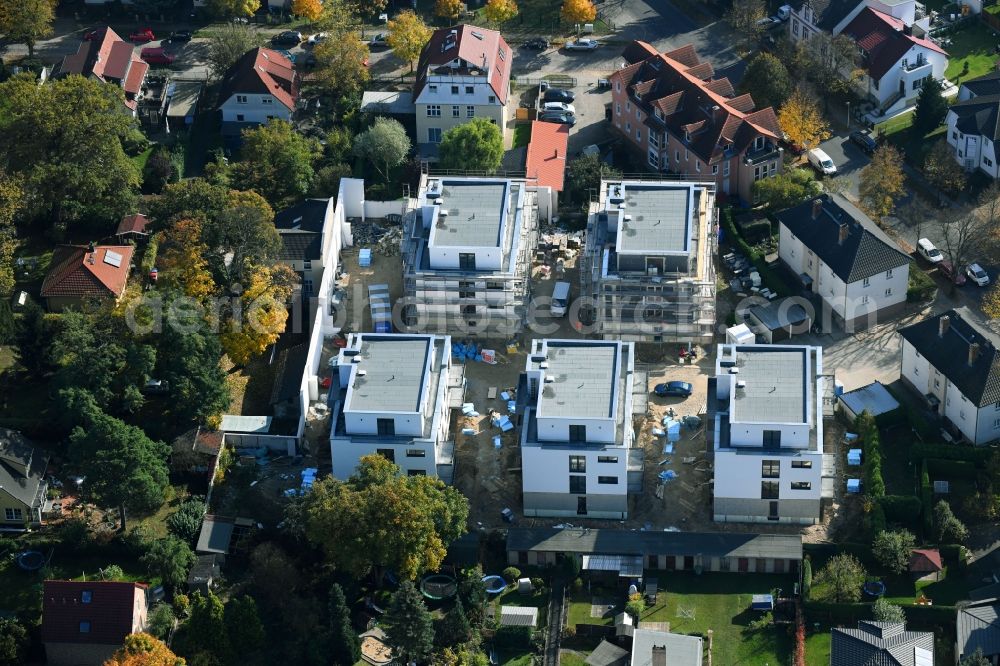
(86,596)
(433,89)
(758,143)
(658,114)
(638,95)
(687,135)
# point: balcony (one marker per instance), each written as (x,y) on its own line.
(770,151)
(919,63)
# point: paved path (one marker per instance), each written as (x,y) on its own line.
(556,619)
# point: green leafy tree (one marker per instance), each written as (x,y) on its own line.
(171,558)
(635,606)
(473,146)
(744,16)
(886,611)
(14,642)
(840,580)
(195,198)
(189,361)
(123,467)
(409,627)
(345,647)
(241,8)
(767,80)
(454,627)
(26,21)
(583,178)
(32,336)
(277,161)
(977,658)
(947,527)
(242,238)
(379,519)
(384,144)
(931,107)
(941,169)
(185,523)
(341,63)
(892,549)
(788,188)
(64,141)
(472,592)
(243,628)
(206,628)
(12,203)
(161,621)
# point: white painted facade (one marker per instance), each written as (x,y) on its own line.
(972,151)
(449,100)
(906,76)
(253,108)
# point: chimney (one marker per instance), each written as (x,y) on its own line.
(845,229)
(973,353)
(817,207)
(944,323)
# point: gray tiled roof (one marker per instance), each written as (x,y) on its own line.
(299,245)
(979,116)
(680,650)
(979,628)
(879,644)
(866,251)
(979,382)
(987,84)
(307,215)
(22,466)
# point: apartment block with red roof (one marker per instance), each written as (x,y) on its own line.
(260,86)
(83,623)
(111,59)
(684,121)
(463,73)
(81,273)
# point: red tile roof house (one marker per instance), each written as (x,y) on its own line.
(261,85)
(111,59)
(132,227)
(83,623)
(926,563)
(80,273)
(546,164)
(684,121)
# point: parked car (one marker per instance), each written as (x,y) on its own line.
(558,95)
(179,36)
(948,270)
(157,56)
(928,251)
(90,36)
(287,54)
(379,41)
(768,21)
(977,274)
(864,141)
(156,386)
(558,107)
(675,389)
(582,44)
(537,44)
(317,38)
(560,118)
(142,36)
(822,162)
(287,38)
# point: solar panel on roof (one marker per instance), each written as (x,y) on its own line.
(113,258)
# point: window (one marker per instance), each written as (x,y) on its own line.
(685,154)
(653,158)
(470,111)
(802,464)
(467,261)
(715,169)
(987,161)
(802,485)
(266,100)
(416,453)
(638,134)
(307,287)
(937,383)
(466,289)
(433,89)
(628,128)
(239,117)
(433,110)
(724,564)
(456,111)
(864,299)
(494,285)
(865,282)
(653,141)
(795,28)
(772,439)
(493,99)
(578,463)
(388,454)
(996,424)
(960,154)
(628,107)
(618,109)
(773,169)
(608,480)
(86,596)
(386,427)
(84,626)
(725,169)
(697,166)
(677,156)
(607,459)
(758,143)
(769,490)
(454,90)
(470,90)
(13,514)
(578,433)
(618,86)
(888,274)
(888,292)
(241,99)
(434,134)
(578,485)
(770,469)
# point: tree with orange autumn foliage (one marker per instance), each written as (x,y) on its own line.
(498,11)
(578,11)
(309,9)
(260,313)
(449,9)
(144,650)
(182,259)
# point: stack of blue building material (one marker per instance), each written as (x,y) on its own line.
(365,258)
(462,351)
(854,457)
(308,477)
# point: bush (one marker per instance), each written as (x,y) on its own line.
(921,287)
(950,452)
(635,606)
(761,623)
(161,621)
(756,230)
(514,638)
(953,554)
(807,577)
(577,584)
(185,523)
(901,509)
(951,469)
(75,533)
(181,604)
(537,584)
(511,574)
(875,520)
(112,572)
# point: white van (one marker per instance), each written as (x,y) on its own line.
(822,162)
(926,249)
(560,299)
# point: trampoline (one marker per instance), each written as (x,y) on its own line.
(30,560)
(874,588)
(494,584)
(438,586)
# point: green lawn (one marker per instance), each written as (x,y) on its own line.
(972,45)
(818,647)
(143,157)
(948,591)
(522,135)
(570,659)
(579,607)
(536,599)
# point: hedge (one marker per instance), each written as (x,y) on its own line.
(755,230)
(922,617)
(953,469)
(951,452)
(902,509)
(953,553)
(867,430)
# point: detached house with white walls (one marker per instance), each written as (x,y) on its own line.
(974,124)
(952,361)
(260,86)
(842,256)
(809,17)
(765,432)
(393,395)
(310,238)
(463,73)
(578,452)
(109,58)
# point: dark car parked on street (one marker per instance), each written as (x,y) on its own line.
(287,38)
(676,389)
(179,36)
(864,141)
(537,43)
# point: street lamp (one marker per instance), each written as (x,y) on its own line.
(848,115)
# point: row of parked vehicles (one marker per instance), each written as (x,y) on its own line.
(557,107)
(934,256)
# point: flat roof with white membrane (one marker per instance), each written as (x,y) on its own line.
(394,373)
(775,388)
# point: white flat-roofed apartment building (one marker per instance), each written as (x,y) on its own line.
(393,396)
(648,262)
(766,415)
(576,398)
(467,249)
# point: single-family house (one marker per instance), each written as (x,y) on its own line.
(881,643)
(809,17)
(973,124)
(578,450)
(467,252)
(545,166)
(649,261)
(81,273)
(260,86)
(681,119)
(765,432)
(309,237)
(392,394)
(842,256)
(978,626)
(22,481)
(109,58)
(981,86)
(952,361)
(463,73)
(83,623)
(662,648)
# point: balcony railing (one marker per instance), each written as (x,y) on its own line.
(910,66)
(770,151)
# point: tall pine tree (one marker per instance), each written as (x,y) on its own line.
(454,627)
(410,630)
(931,107)
(345,647)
